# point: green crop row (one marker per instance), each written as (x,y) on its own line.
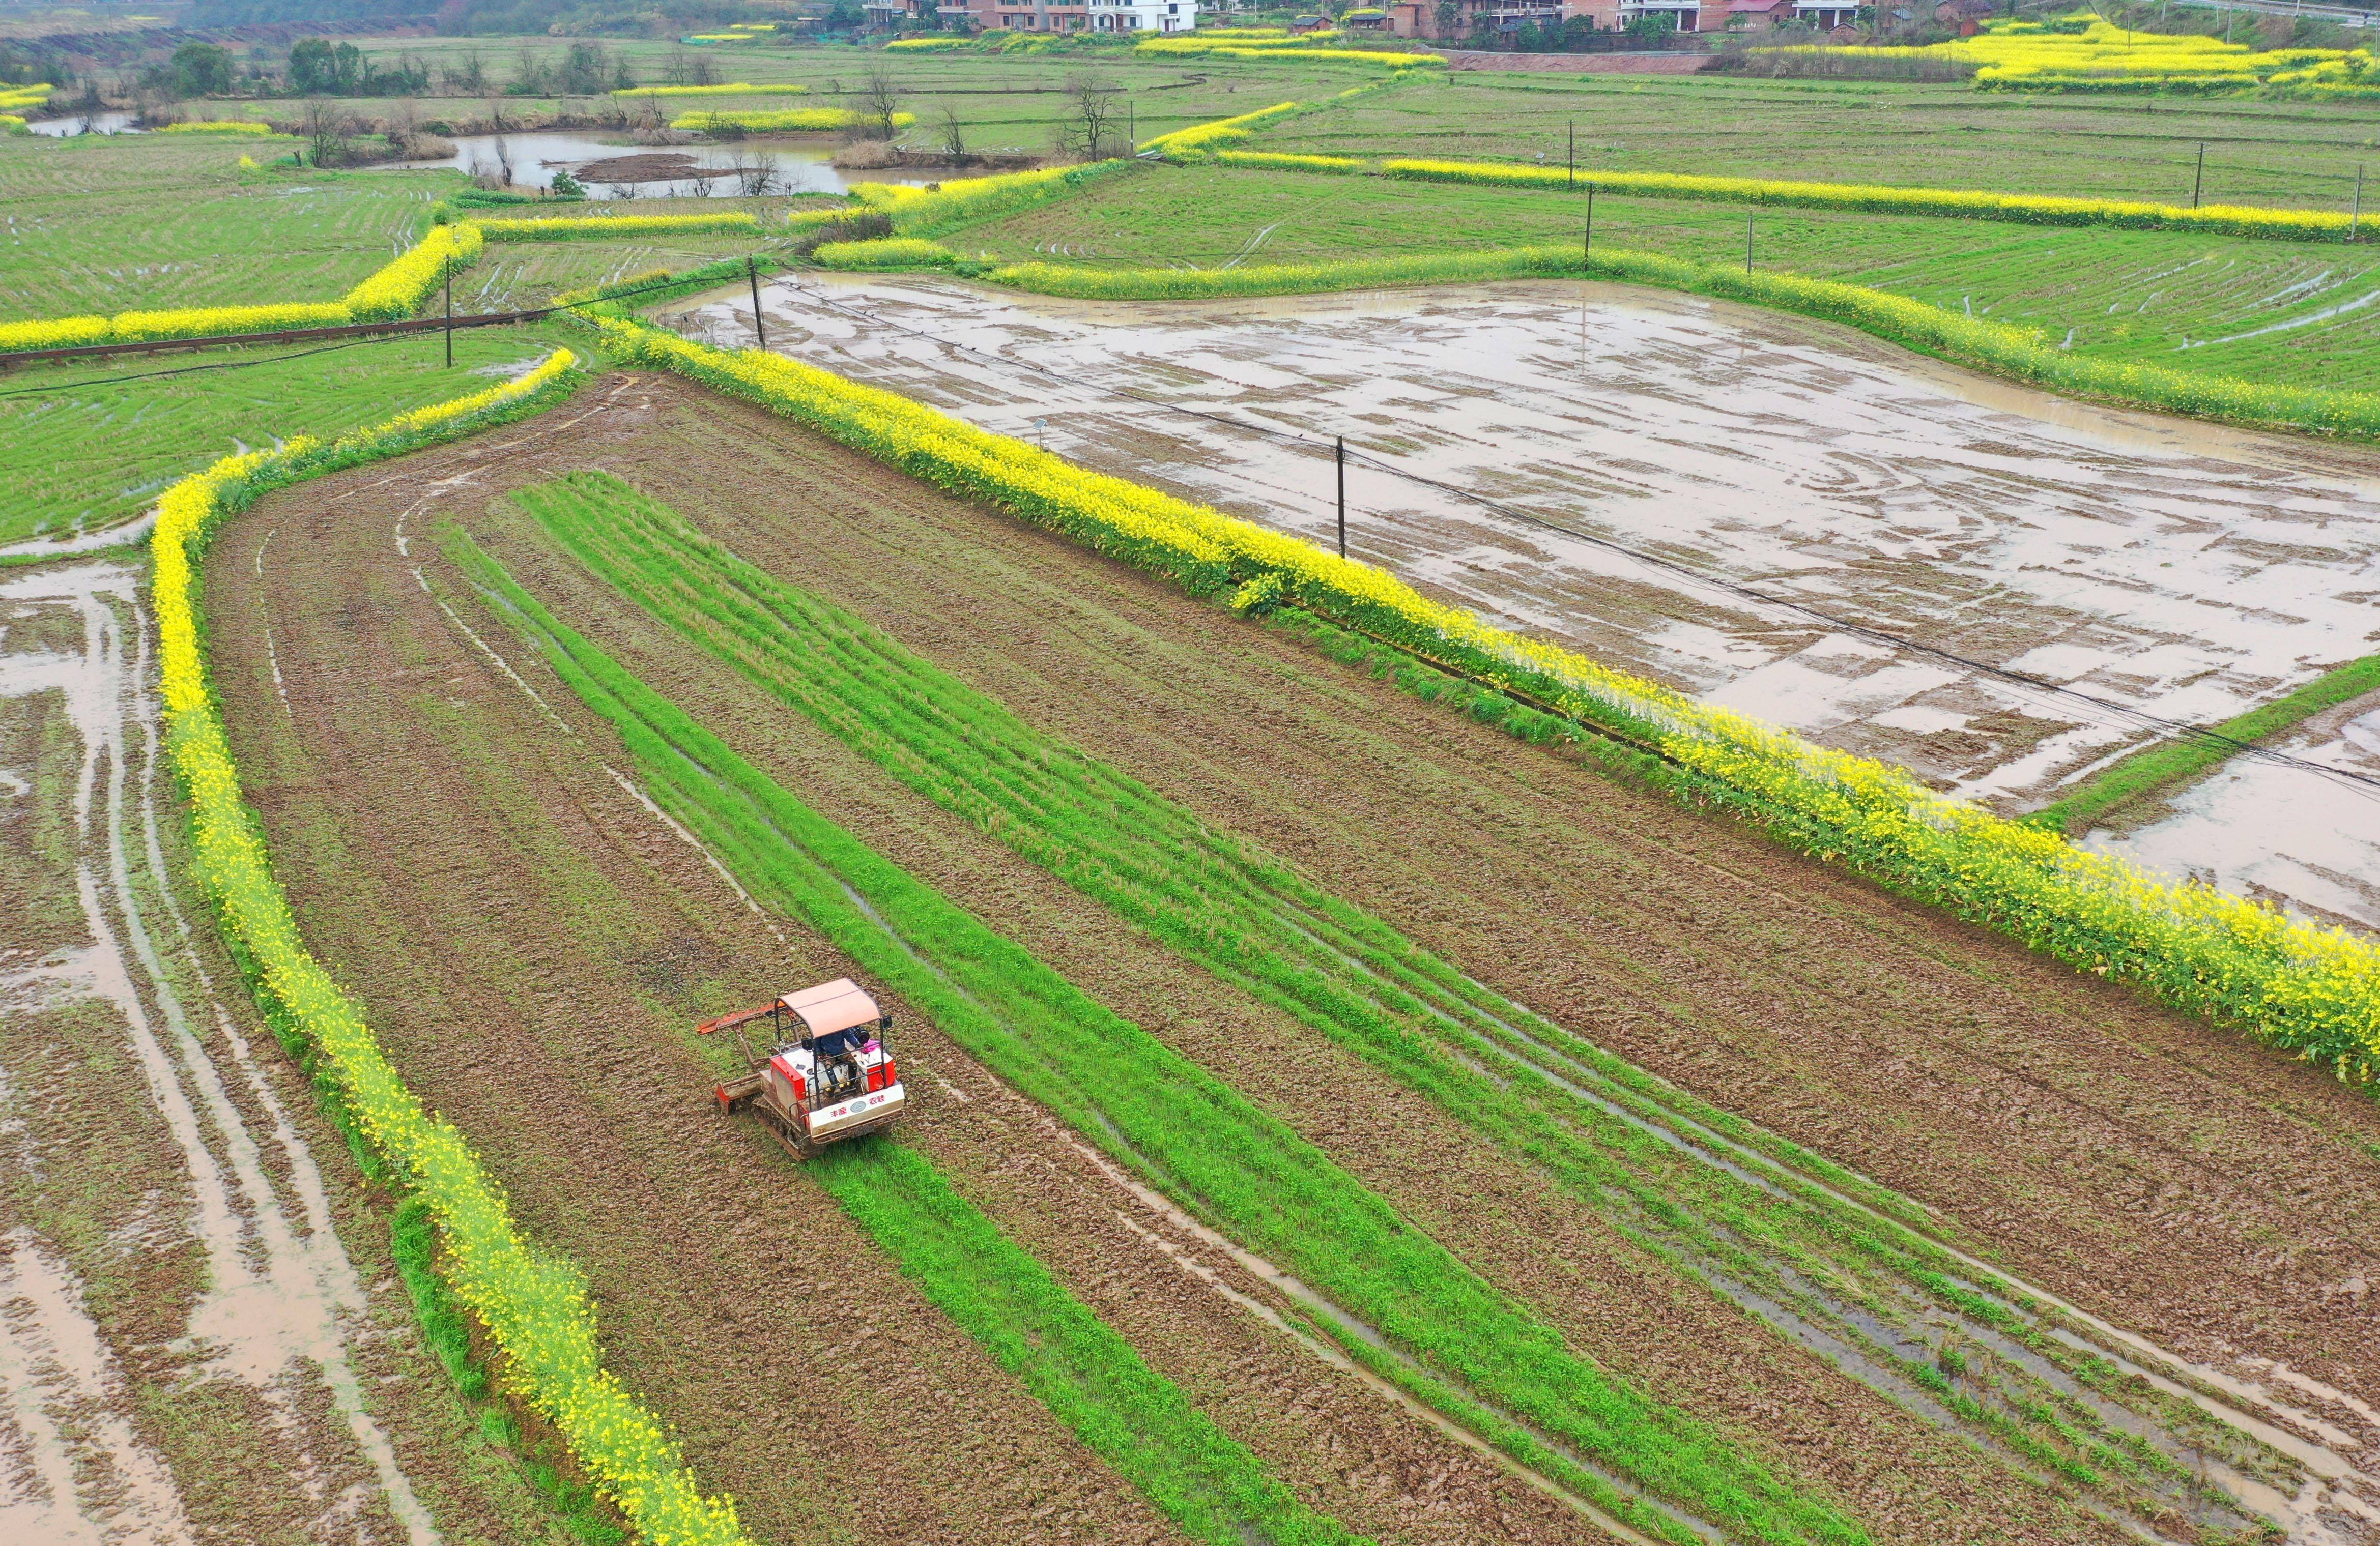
(1473,1353)
(1131,1416)
(533,1305)
(1553,1102)
(2311,990)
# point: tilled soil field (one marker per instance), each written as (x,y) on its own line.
(534,944)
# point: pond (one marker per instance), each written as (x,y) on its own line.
(751,168)
(1987,584)
(85,123)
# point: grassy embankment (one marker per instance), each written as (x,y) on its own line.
(1472,1352)
(1258,926)
(2169,767)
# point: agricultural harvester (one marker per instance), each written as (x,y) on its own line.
(827,1075)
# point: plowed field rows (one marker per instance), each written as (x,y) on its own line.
(535,943)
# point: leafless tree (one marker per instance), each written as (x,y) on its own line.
(700,72)
(877,100)
(950,134)
(529,72)
(327,129)
(755,177)
(700,178)
(1093,128)
(467,76)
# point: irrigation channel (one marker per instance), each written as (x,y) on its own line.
(166,1237)
(2181,568)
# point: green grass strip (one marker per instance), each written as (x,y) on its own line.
(1131,1416)
(1189,1133)
(2162,767)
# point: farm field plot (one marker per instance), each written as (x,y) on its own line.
(1939,136)
(476,849)
(93,446)
(2149,563)
(202,1332)
(118,222)
(2263,310)
(721,1266)
(1004,103)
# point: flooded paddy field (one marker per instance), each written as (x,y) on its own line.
(614,167)
(201,1335)
(1989,585)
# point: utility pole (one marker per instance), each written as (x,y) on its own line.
(2199,181)
(2355,211)
(1342,496)
(1131,128)
(1574,155)
(446,273)
(1586,248)
(1747,244)
(752,272)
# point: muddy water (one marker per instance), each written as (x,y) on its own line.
(2187,570)
(282,1305)
(534,159)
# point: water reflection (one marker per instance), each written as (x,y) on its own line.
(85,123)
(748,170)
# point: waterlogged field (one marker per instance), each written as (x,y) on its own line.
(195,1294)
(2188,574)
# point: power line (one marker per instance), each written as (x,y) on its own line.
(2126,714)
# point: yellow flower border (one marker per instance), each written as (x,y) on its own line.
(533,1304)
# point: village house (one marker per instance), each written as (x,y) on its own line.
(1067,16)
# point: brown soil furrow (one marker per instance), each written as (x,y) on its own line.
(533,945)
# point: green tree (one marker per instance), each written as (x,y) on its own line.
(203,70)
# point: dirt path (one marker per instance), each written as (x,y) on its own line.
(535,944)
(189,1349)
(2153,1169)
